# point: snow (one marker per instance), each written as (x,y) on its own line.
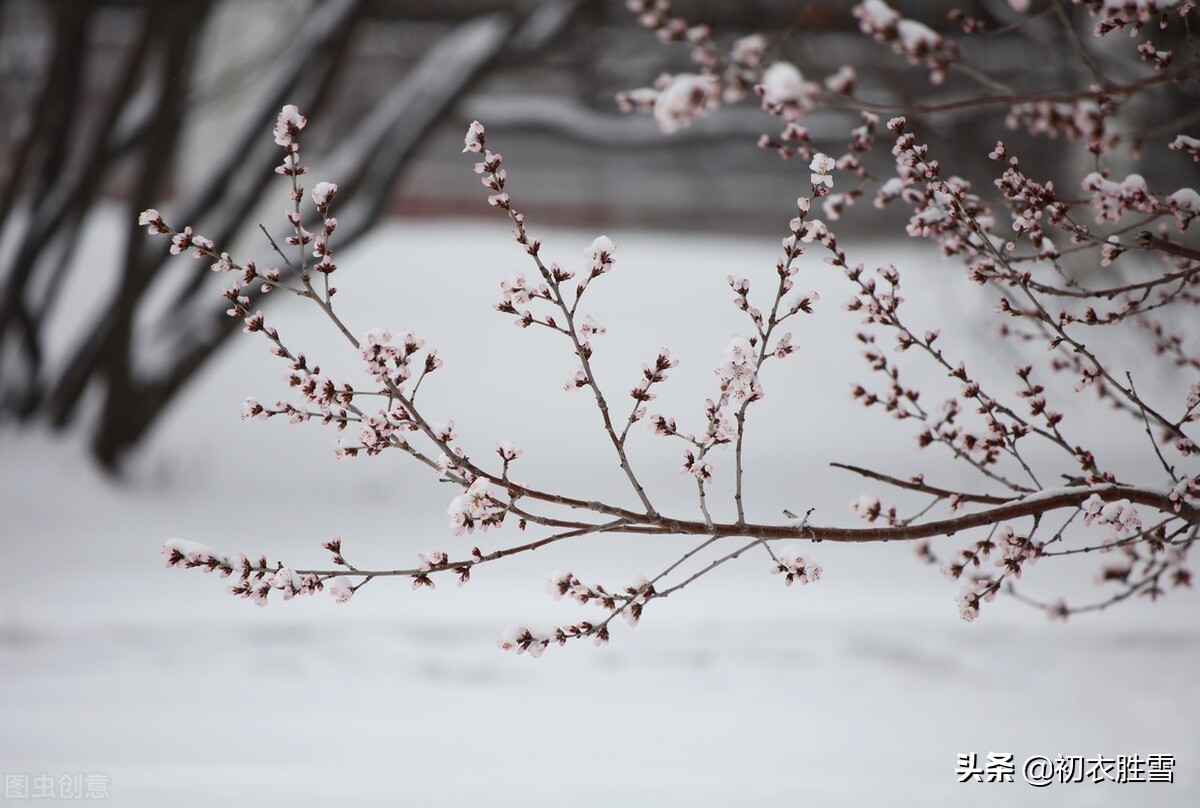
(783,83)
(859,689)
(1185,198)
(686,97)
(877,15)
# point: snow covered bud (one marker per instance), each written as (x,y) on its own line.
(968,606)
(686,97)
(522,640)
(475,137)
(1189,145)
(575,381)
(288,125)
(842,82)
(252,409)
(153,221)
(322,194)
(341,589)
(785,93)
(749,50)
(508,451)
(476,507)
(590,328)
(737,373)
(1121,515)
(601,251)
(794,567)
(820,166)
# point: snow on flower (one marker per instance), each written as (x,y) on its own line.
(794,567)
(590,328)
(252,409)
(1120,514)
(786,94)
(560,583)
(842,81)
(740,351)
(1187,144)
(602,245)
(443,431)
(867,507)
(575,381)
(749,50)
(288,125)
(783,83)
(323,193)
(968,606)
(523,640)
(474,138)
(473,508)
(917,36)
(153,221)
(341,589)
(178,551)
(431,559)
(507,450)
(876,15)
(737,373)
(688,96)
(1185,198)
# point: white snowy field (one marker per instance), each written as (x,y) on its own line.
(859,690)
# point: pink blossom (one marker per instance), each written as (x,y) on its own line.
(288,125)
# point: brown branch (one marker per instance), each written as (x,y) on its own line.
(924,488)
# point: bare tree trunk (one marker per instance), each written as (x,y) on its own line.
(59,175)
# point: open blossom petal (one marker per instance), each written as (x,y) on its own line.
(821,165)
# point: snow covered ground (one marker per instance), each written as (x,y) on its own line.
(860,690)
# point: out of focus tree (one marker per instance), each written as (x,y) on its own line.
(105,102)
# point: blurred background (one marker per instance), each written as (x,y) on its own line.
(140,104)
(119,396)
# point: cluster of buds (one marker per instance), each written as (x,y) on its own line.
(287,134)
(1120,514)
(629,601)
(739,372)
(1017,550)
(870,509)
(983,590)
(322,196)
(476,507)
(1115,15)
(254,580)
(651,375)
(390,359)
(1112,200)
(785,92)
(1085,118)
(916,41)
(791,564)
(726,76)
